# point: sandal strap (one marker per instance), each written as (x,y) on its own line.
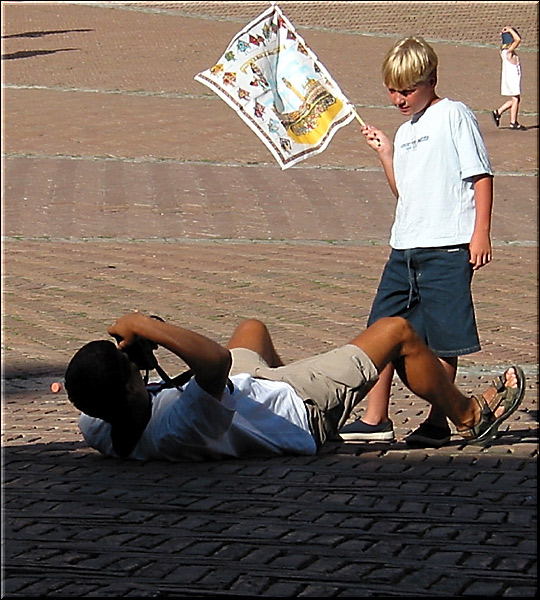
(503,394)
(505,397)
(499,384)
(486,419)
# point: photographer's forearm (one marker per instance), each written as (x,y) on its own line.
(209,360)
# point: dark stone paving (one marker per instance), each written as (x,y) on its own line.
(126,185)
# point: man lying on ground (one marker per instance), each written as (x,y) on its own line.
(243,401)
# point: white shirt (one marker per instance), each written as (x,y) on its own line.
(510,75)
(435,158)
(260,417)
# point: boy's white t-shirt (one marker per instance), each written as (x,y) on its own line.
(435,158)
(259,417)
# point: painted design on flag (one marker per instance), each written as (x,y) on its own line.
(276,84)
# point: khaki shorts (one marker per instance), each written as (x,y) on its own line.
(330,384)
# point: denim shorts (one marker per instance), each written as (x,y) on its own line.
(431,288)
(330,384)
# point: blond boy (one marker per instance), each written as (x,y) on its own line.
(440,173)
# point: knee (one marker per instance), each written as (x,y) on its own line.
(252,326)
(398,326)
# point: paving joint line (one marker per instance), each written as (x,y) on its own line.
(242,20)
(202,96)
(236,241)
(214,163)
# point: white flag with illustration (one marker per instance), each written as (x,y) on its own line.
(276,84)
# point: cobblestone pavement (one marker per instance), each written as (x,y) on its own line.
(127,185)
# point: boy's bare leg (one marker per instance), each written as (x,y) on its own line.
(435,416)
(254,335)
(379,397)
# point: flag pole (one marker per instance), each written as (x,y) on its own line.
(357,116)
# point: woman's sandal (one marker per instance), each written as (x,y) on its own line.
(506,397)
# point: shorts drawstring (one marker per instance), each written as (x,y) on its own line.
(413,287)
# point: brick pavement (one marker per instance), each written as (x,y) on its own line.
(114,184)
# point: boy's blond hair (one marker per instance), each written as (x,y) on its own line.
(409,62)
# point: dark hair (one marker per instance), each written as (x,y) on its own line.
(507,38)
(96,379)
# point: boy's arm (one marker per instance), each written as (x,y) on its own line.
(377,140)
(209,360)
(480,245)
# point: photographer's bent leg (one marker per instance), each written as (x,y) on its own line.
(393,340)
(254,335)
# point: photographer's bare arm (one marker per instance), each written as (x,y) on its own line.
(209,360)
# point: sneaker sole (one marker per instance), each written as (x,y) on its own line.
(384,436)
(421,442)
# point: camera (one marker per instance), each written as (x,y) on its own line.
(141,351)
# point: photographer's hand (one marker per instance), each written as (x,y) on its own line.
(125,328)
(209,360)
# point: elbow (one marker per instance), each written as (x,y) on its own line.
(226,362)
(220,366)
(213,375)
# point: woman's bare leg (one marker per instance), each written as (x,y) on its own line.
(504,107)
(513,106)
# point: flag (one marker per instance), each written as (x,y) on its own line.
(277,85)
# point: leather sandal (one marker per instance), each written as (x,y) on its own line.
(506,397)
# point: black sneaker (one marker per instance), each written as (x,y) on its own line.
(428,436)
(496,117)
(358,431)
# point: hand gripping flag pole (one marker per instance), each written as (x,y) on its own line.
(279,88)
